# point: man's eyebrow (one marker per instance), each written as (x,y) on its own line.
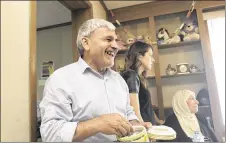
(112,37)
(109,37)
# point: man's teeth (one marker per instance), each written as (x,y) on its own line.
(110,53)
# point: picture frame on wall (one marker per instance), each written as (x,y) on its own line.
(47,68)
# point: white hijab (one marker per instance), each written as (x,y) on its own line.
(187,120)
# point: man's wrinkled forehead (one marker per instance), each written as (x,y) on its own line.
(104,32)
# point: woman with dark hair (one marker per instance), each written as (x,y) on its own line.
(138,61)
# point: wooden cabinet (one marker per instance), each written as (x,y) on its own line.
(163,86)
(146,19)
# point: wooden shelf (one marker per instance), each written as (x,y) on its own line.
(177,75)
(165,46)
(151,77)
(181,75)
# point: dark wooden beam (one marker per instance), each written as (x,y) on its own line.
(157,69)
(211,9)
(65,4)
(78,17)
(159,8)
(108,14)
(54,26)
(104,6)
(135,12)
(76,4)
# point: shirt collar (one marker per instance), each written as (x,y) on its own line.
(84,66)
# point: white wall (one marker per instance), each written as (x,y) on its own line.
(15,22)
(51,13)
(216,28)
(56,45)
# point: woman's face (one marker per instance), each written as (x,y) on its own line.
(192,104)
(147,60)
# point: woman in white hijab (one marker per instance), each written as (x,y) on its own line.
(184,120)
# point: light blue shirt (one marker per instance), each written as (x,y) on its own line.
(77,93)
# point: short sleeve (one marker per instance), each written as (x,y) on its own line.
(132,81)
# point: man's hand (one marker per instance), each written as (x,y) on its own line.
(147,125)
(114,124)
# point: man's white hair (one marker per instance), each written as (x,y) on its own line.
(88,27)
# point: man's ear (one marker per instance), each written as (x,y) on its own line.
(85,43)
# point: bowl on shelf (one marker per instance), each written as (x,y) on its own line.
(194,69)
(170,70)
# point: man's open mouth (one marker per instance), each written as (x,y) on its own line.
(110,53)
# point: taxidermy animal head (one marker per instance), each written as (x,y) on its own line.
(147,38)
(163,34)
(140,38)
(190,26)
(130,41)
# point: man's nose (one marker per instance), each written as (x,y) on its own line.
(115,44)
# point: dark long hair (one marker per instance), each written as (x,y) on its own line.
(132,59)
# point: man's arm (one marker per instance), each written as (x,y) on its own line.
(56,116)
(109,124)
(57,126)
(86,129)
(56,120)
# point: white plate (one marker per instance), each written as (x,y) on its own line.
(161,131)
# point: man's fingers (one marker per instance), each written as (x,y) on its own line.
(115,132)
(123,132)
(128,123)
(128,128)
